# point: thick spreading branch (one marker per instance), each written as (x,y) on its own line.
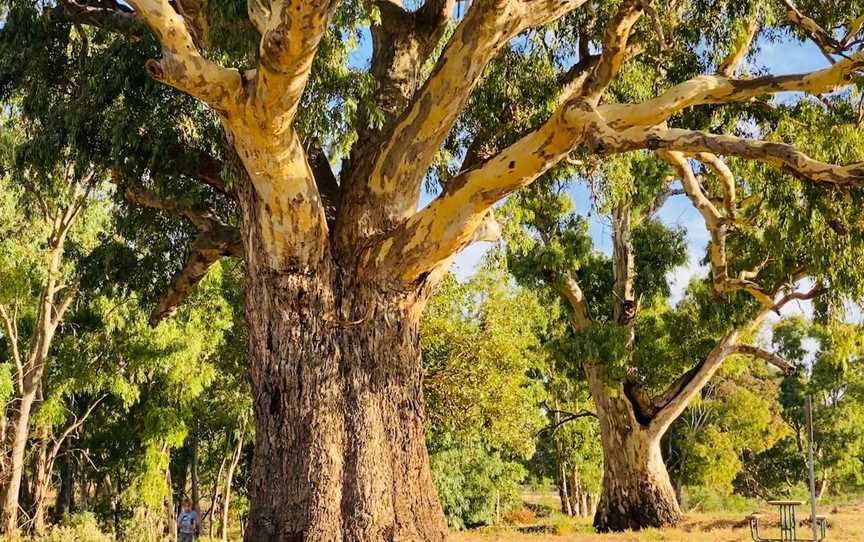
(207,249)
(259,14)
(288,45)
(717,89)
(580,316)
(781,155)
(201,218)
(106,15)
(770,357)
(489,24)
(214,241)
(672,403)
(824,40)
(739,49)
(203,167)
(614,49)
(445,226)
(182,66)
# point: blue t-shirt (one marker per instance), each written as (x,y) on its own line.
(186,521)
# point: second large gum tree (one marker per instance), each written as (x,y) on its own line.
(339,266)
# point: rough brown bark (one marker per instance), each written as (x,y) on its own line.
(637,492)
(340,451)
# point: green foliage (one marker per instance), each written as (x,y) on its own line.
(81,527)
(480,347)
(737,418)
(830,358)
(472,482)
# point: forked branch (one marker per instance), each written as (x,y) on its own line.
(182,66)
(289,42)
(403,160)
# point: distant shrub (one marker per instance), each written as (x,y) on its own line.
(520,516)
(81,527)
(701,499)
(471,482)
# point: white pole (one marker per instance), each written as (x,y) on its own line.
(811,468)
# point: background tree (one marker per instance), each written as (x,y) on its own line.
(338,269)
(828,356)
(481,355)
(645,360)
(49,222)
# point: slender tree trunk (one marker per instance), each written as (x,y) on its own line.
(575,489)
(637,492)
(229,481)
(340,436)
(821,486)
(170,509)
(586,510)
(214,496)
(195,490)
(41,476)
(21,428)
(65,495)
(563,490)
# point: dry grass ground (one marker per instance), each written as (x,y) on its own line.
(846,524)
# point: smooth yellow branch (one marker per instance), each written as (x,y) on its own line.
(446,225)
(182,65)
(717,89)
(614,49)
(288,46)
(488,26)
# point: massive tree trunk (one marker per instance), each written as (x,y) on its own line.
(340,451)
(637,492)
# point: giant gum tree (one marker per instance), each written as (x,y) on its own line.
(339,264)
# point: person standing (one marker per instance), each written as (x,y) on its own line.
(188,523)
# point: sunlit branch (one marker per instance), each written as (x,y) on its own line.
(717,89)
(614,49)
(402,162)
(781,155)
(289,43)
(182,66)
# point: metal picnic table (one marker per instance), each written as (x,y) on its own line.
(788,524)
